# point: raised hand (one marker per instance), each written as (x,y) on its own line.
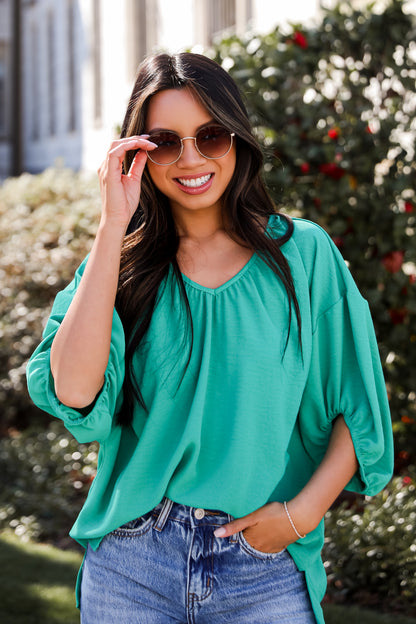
(120,192)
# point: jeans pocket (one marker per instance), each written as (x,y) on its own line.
(135,528)
(258,554)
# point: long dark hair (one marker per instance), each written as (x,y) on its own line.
(152,241)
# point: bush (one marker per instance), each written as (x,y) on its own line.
(334,107)
(47,223)
(45,479)
(370,554)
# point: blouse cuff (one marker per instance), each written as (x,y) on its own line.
(374,455)
(98,422)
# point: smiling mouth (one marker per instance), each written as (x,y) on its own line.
(195,182)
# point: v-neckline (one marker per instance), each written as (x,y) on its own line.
(225,284)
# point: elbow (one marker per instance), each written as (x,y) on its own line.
(74,396)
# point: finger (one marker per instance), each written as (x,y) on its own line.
(137,166)
(132,143)
(117,154)
(235,526)
(117,142)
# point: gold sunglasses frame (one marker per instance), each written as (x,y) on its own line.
(232,135)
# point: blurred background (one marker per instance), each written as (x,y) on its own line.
(67,67)
(330,89)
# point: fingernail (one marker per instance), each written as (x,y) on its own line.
(220,532)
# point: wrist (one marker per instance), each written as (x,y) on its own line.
(292,523)
(112,230)
(305,517)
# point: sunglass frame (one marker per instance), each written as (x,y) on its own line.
(194,138)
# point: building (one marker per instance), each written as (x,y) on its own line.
(67,66)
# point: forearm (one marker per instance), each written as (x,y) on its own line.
(336,469)
(81,347)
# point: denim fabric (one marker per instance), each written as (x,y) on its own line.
(167,566)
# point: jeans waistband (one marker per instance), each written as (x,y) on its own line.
(193,516)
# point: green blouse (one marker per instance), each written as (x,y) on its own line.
(250,419)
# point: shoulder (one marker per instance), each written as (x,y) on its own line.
(315,246)
(312,253)
(325,268)
(308,235)
(302,231)
(311,241)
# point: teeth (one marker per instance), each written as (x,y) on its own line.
(194,182)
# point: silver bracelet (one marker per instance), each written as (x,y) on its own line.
(291,521)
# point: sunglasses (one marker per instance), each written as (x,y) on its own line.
(212,141)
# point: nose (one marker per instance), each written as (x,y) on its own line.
(190,155)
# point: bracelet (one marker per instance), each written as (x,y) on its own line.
(291,521)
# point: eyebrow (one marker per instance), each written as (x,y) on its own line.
(204,125)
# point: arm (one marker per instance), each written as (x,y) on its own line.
(268,529)
(80,350)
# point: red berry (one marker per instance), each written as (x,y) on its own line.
(332,170)
(300,40)
(398,315)
(393,261)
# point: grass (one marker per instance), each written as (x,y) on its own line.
(37,587)
(36,583)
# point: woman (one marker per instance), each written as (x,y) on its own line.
(225,361)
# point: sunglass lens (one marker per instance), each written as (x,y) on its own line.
(168,147)
(213,141)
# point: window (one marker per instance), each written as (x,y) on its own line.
(34,78)
(72,99)
(51,73)
(221,15)
(3,89)
(140,32)
(213,17)
(97,77)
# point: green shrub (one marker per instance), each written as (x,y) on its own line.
(370,554)
(45,478)
(334,107)
(47,223)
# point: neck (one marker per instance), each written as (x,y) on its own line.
(198,225)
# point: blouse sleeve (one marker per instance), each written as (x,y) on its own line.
(99,421)
(345,378)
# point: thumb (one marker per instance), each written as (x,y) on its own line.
(235,526)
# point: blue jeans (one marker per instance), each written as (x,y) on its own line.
(167,566)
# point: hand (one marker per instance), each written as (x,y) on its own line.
(267,529)
(120,192)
